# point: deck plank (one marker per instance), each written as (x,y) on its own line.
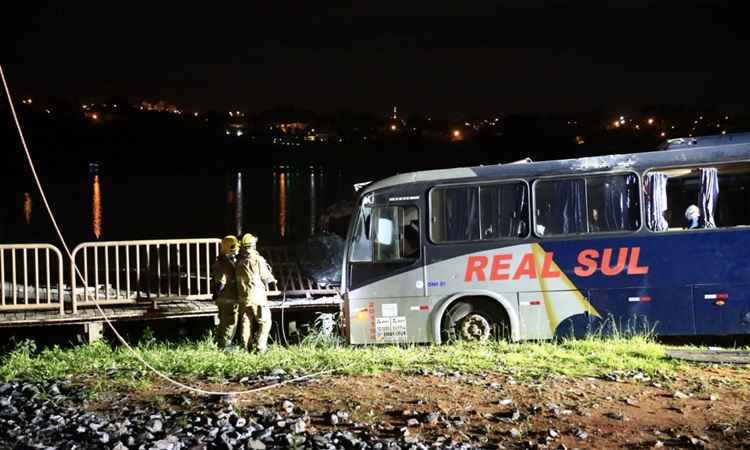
(173,308)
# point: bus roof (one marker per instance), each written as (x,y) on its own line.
(674,152)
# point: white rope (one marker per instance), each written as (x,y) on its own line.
(96,303)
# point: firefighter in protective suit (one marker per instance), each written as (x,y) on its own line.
(224,289)
(253,273)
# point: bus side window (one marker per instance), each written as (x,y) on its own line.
(613,203)
(719,193)
(561,206)
(504,210)
(455,214)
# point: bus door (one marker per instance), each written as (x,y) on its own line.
(721,309)
(386,275)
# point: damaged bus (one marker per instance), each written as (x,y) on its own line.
(533,250)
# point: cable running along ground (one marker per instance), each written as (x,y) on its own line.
(135,354)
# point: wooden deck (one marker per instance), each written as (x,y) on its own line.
(143,311)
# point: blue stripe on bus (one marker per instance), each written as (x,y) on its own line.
(697,283)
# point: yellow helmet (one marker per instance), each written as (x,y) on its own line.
(229,244)
(248,240)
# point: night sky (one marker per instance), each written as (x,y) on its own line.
(441,58)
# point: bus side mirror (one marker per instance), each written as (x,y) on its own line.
(385,232)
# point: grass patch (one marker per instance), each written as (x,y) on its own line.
(200,360)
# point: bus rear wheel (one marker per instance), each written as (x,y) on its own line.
(475,320)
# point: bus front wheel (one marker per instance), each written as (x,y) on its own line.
(475,320)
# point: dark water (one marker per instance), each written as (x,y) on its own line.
(281,204)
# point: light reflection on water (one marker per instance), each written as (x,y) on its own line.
(282,204)
(96,208)
(279,204)
(299,195)
(28,206)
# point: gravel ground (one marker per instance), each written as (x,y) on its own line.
(704,407)
(56,415)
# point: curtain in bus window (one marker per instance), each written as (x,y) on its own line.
(512,207)
(655,187)
(709,196)
(461,214)
(504,210)
(570,206)
(621,211)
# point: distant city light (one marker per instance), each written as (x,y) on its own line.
(650,121)
(663,134)
(393,127)
(195,114)
(637,127)
(231,114)
(622,117)
(456,133)
(617,123)
(95,116)
(239,133)
(724,132)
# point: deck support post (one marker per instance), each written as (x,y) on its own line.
(93,332)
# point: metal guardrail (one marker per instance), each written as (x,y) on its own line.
(126,272)
(39,289)
(130,272)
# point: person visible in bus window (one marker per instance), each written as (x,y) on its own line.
(411,239)
(693,216)
(667,214)
(539,227)
(594,223)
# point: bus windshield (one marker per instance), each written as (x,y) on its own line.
(386,234)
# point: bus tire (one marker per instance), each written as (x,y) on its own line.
(475,319)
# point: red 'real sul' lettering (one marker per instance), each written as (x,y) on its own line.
(526,267)
(500,264)
(587,262)
(622,257)
(547,270)
(475,265)
(633,267)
